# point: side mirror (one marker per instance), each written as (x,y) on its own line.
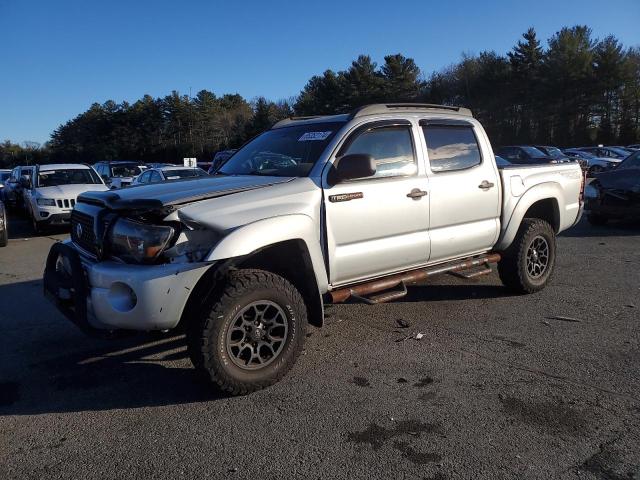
(353,166)
(25,182)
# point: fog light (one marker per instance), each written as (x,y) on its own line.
(122,297)
(44,214)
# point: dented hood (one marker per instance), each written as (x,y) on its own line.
(177,192)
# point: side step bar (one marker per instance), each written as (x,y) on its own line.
(363,291)
(472,273)
(386,296)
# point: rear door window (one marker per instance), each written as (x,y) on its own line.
(451,148)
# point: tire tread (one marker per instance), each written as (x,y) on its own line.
(510,270)
(202,330)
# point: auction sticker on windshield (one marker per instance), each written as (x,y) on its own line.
(311,136)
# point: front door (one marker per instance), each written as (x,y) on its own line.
(372,226)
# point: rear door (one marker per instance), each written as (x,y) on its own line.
(372,226)
(464,189)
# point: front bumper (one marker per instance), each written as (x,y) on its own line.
(54,219)
(628,211)
(111,296)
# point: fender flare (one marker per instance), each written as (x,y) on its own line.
(254,236)
(543,191)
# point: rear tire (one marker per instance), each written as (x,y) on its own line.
(528,264)
(597,220)
(250,334)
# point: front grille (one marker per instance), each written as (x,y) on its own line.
(66,203)
(82,232)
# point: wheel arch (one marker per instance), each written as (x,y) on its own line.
(541,201)
(276,258)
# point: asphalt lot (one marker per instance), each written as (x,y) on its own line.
(496,388)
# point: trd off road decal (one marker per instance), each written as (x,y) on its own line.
(345,197)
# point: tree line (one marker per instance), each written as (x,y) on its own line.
(576,90)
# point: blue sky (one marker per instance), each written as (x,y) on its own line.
(58,57)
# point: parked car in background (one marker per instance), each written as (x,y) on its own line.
(606,152)
(220,159)
(52,192)
(635,146)
(553,152)
(164,174)
(594,164)
(4,226)
(160,165)
(524,154)
(119,174)
(615,194)
(13,186)
(4,176)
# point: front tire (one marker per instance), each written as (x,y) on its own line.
(37,229)
(250,334)
(528,264)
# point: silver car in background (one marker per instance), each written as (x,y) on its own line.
(166,174)
(594,163)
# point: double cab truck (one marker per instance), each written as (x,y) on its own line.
(316,210)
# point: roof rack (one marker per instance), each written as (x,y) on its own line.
(378,108)
(289,120)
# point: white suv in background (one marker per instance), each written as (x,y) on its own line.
(51,193)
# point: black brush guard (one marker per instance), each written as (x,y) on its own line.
(67,290)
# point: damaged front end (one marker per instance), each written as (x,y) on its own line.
(610,199)
(127,268)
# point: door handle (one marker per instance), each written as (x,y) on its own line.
(486,185)
(416,194)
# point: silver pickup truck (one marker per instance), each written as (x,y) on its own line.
(315,210)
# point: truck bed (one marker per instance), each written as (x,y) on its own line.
(522,183)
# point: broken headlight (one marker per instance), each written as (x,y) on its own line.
(135,242)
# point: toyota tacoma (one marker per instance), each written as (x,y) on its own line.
(316,210)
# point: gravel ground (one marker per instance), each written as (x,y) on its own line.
(498,386)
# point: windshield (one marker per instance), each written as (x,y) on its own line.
(70,176)
(619,151)
(283,152)
(633,161)
(120,171)
(533,152)
(183,173)
(555,152)
(581,154)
